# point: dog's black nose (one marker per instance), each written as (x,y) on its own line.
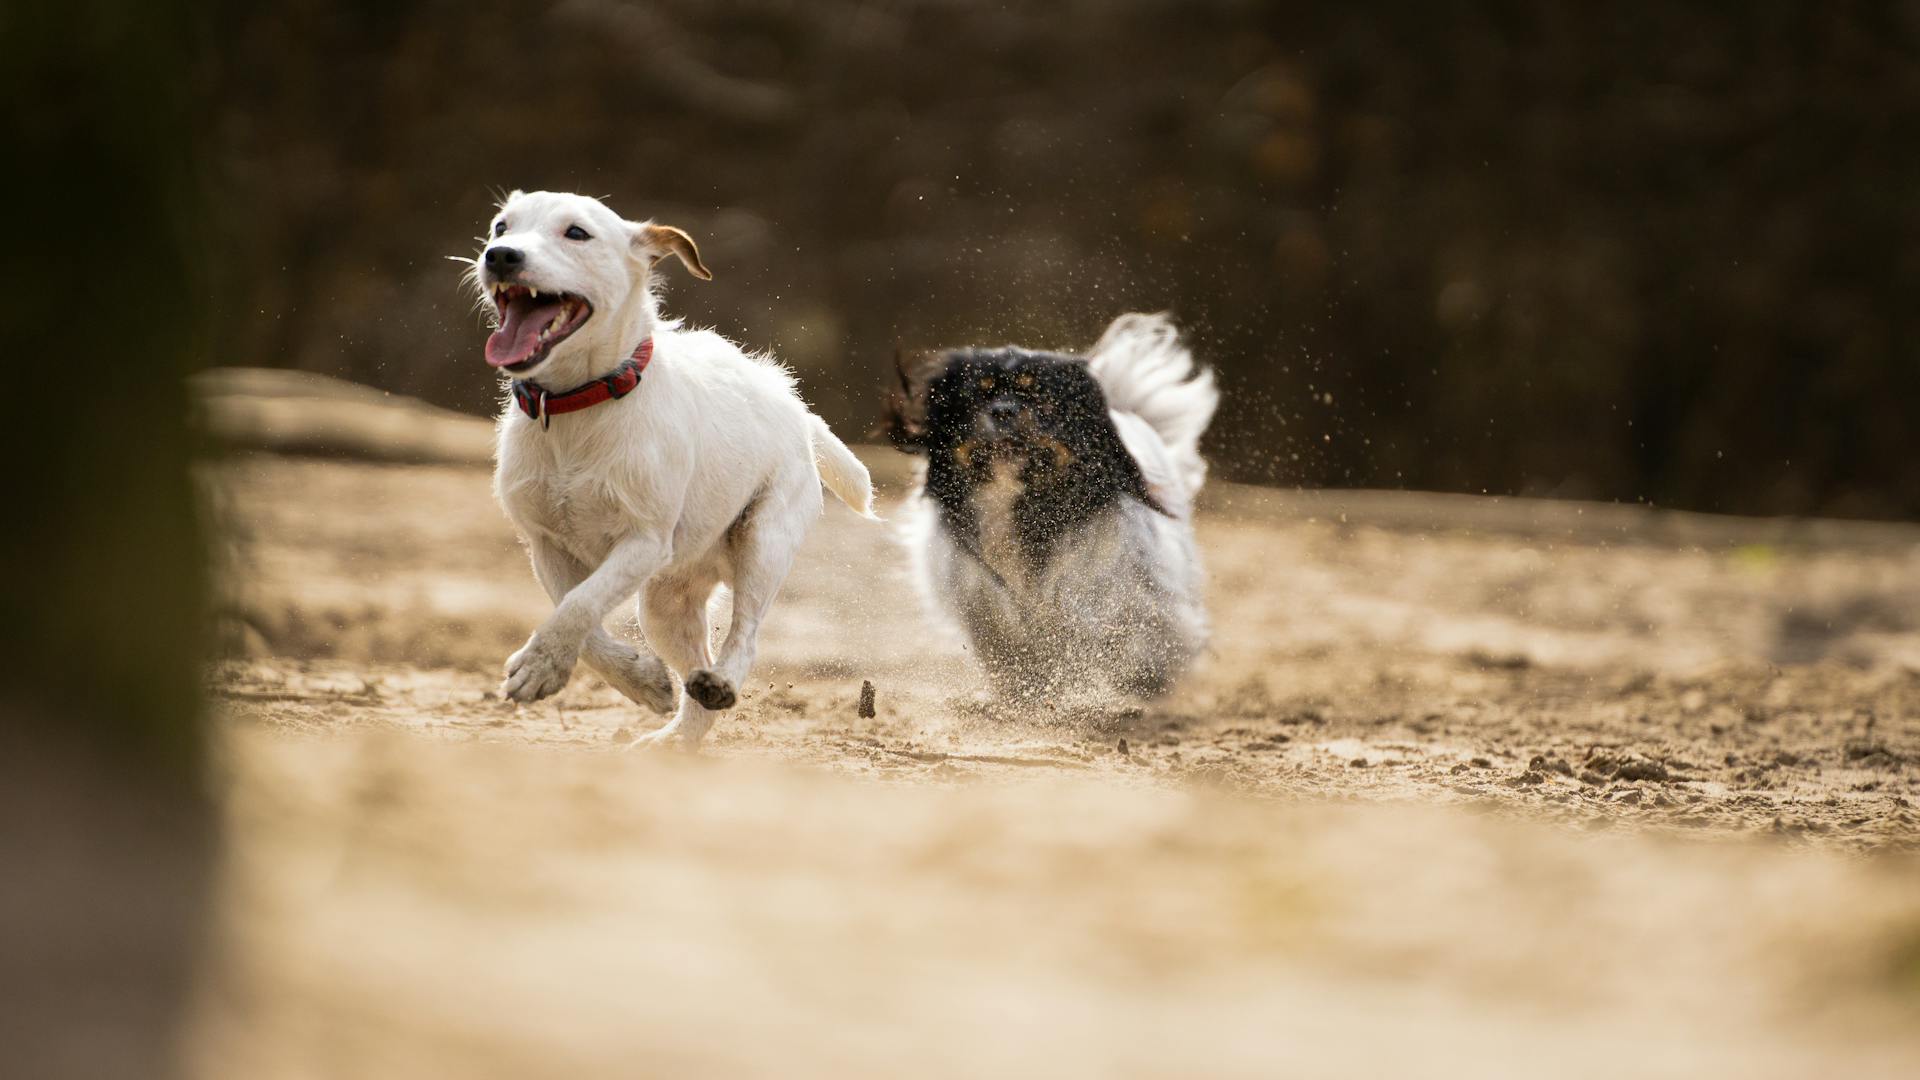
(1003,413)
(501,258)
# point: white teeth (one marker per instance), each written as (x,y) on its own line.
(533,293)
(557,323)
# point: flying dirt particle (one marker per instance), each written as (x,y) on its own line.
(1528,779)
(866,699)
(623,736)
(1357,763)
(1122,748)
(1543,764)
(1481,763)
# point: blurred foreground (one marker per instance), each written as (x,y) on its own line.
(1580,788)
(399,907)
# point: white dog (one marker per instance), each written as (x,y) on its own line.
(1055,517)
(637,456)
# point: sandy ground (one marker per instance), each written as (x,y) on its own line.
(1466,787)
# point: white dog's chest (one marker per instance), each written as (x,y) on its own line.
(572,507)
(581,519)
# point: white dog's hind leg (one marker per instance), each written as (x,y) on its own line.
(674,618)
(545,663)
(641,677)
(763,548)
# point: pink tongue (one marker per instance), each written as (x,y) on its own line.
(519,335)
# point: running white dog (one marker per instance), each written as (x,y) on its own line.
(637,456)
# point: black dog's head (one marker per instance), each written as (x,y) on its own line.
(979,406)
(1035,417)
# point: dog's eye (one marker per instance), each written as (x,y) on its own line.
(575,232)
(499,228)
(1023,381)
(986,383)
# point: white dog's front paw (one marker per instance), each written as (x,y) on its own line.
(538,670)
(639,677)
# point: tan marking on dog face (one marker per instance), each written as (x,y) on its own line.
(1062,453)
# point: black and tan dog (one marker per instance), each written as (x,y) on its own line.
(1054,519)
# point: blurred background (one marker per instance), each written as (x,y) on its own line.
(1641,252)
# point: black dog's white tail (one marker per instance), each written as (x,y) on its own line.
(1145,370)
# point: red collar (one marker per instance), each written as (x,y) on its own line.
(543,405)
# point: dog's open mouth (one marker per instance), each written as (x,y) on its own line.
(531,324)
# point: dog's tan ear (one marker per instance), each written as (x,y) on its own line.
(656,242)
(905,424)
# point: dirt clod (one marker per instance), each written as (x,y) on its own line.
(1641,769)
(1873,754)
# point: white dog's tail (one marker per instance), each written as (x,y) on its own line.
(1145,370)
(843,473)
